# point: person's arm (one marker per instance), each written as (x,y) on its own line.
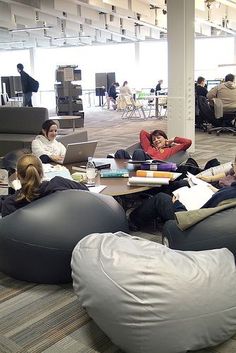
(145,140)
(59,184)
(38,148)
(212,93)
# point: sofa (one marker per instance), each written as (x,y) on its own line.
(18,126)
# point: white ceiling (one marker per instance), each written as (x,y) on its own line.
(85,22)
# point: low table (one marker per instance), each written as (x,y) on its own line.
(115,186)
(67,117)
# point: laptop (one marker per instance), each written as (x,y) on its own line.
(79,152)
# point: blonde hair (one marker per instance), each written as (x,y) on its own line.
(30,172)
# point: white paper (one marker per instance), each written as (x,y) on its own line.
(148,181)
(194,197)
(97,189)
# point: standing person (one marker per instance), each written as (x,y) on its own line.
(158,86)
(28,86)
(46,147)
(200,88)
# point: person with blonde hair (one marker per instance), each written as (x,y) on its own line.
(29,171)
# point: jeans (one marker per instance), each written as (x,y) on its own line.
(158,206)
(27,101)
(138,155)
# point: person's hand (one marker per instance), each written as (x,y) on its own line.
(169,142)
(175,198)
(57,158)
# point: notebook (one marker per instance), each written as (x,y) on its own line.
(79,152)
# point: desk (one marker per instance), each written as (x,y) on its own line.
(157,102)
(115,186)
(67,117)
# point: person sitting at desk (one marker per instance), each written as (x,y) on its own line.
(45,146)
(125,90)
(226,92)
(30,173)
(200,89)
(158,86)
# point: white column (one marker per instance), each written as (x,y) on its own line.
(136,79)
(36,96)
(181,101)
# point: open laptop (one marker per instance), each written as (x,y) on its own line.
(79,152)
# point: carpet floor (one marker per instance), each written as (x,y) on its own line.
(48,318)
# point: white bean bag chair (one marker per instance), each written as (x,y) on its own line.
(148,298)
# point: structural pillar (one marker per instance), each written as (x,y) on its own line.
(181,97)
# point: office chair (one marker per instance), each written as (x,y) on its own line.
(226,123)
(204,114)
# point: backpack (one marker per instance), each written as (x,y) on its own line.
(34,85)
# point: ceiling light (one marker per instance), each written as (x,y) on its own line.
(13,42)
(214,25)
(26,29)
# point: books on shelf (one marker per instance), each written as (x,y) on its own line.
(114,173)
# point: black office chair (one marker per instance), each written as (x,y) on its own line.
(205,113)
(207,116)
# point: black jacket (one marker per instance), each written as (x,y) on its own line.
(10,205)
(26,82)
(201,91)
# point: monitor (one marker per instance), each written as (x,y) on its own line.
(212,83)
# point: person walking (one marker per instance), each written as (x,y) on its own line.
(28,84)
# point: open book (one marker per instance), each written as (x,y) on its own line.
(196,196)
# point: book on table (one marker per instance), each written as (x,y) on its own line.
(157,174)
(114,173)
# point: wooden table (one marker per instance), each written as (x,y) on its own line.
(67,117)
(115,186)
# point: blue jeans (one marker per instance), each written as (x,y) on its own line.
(27,102)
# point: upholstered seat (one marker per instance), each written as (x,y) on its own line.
(148,298)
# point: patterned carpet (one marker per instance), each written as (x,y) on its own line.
(48,318)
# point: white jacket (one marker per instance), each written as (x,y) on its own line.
(41,145)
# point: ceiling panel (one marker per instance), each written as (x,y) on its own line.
(103,21)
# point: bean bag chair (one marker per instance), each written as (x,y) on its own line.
(148,298)
(214,232)
(36,241)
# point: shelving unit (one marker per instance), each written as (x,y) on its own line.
(68,92)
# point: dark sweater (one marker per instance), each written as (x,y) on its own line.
(26,82)
(10,205)
(201,91)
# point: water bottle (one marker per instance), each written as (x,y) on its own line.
(90,172)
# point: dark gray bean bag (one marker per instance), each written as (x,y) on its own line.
(36,241)
(214,232)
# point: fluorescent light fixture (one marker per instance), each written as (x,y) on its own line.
(149,25)
(76,37)
(212,24)
(27,29)
(13,42)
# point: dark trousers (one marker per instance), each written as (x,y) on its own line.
(138,155)
(27,99)
(158,206)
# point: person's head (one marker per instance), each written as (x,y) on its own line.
(20,67)
(201,81)
(158,138)
(117,84)
(29,170)
(125,83)
(152,90)
(160,81)
(49,129)
(229,77)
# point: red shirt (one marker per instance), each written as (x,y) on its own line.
(180,144)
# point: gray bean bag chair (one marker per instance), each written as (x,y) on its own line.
(214,232)
(148,298)
(36,241)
